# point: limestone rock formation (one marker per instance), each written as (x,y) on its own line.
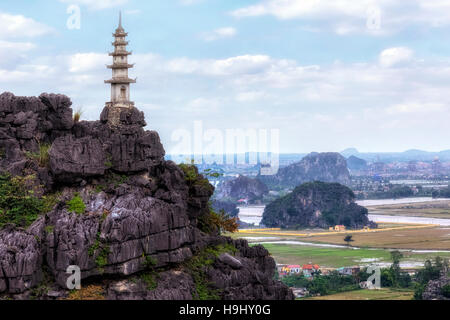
(325,167)
(316,204)
(242,188)
(229,207)
(120,212)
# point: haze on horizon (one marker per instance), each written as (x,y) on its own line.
(373,75)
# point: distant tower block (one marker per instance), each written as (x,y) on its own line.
(120,82)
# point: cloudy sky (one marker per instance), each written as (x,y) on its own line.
(329,74)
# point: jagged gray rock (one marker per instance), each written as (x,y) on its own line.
(325,167)
(20,260)
(139,209)
(242,187)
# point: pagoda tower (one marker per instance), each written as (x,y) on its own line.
(120,82)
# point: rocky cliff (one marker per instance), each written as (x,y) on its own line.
(316,204)
(242,188)
(105,200)
(326,167)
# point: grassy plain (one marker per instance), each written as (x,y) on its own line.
(341,257)
(437,238)
(382,294)
(433,209)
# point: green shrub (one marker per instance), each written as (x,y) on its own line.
(42,157)
(101,250)
(76,205)
(18,203)
(150,280)
(196,267)
(323,284)
(49,229)
(211,221)
(445,290)
(149,262)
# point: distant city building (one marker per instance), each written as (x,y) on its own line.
(436,166)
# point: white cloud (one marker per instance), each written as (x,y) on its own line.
(338,104)
(349,16)
(250,96)
(86,62)
(19,26)
(395,56)
(97,4)
(202,105)
(416,108)
(220,33)
(14,47)
(190,2)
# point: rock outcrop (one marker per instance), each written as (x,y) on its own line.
(325,167)
(246,275)
(242,188)
(133,212)
(316,204)
(228,207)
(435,288)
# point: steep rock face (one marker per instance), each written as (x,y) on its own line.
(20,260)
(229,207)
(136,208)
(95,147)
(242,188)
(124,228)
(246,275)
(28,123)
(326,167)
(316,204)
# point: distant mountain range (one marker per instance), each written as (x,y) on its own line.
(387,157)
(409,155)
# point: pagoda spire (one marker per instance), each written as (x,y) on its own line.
(120,82)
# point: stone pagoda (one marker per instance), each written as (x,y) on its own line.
(120,82)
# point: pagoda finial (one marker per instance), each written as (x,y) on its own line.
(120,19)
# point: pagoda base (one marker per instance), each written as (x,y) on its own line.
(120,114)
(123,104)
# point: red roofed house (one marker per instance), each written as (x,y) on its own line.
(310,269)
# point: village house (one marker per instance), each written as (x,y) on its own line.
(309,270)
(349,271)
(286,270)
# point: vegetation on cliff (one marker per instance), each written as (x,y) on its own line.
(20,202)
(316,204)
